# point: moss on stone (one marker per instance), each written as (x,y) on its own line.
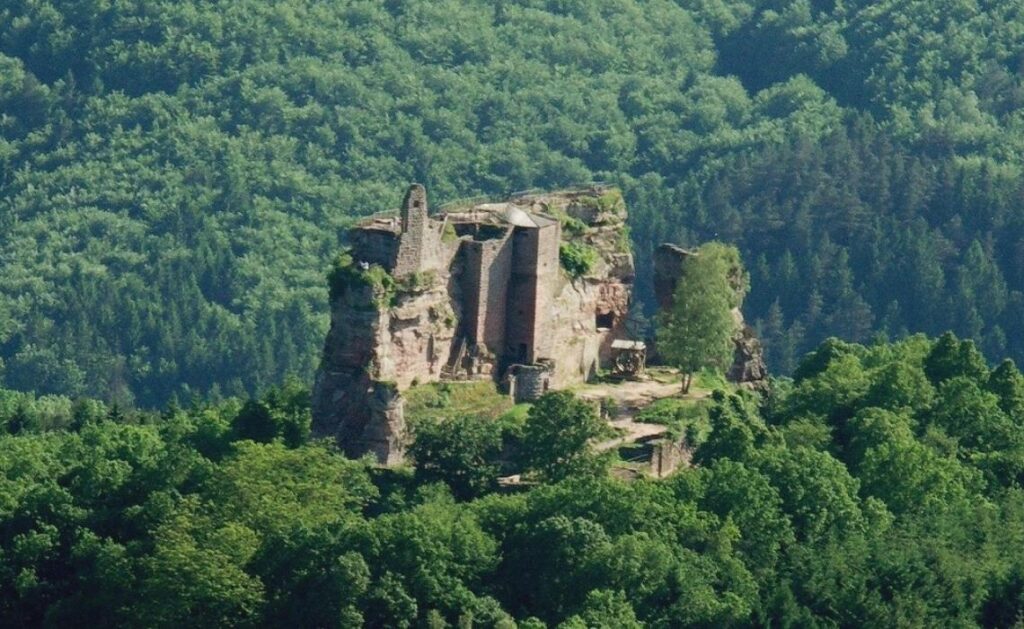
(611,201)
(623,242)
(449,235)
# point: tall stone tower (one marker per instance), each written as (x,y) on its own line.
(414,231)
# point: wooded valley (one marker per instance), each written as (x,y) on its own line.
(175,176)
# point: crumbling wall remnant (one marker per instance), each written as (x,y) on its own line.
(528,382)
(667,456)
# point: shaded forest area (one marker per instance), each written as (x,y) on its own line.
(175,176)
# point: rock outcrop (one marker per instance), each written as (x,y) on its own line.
(536,287)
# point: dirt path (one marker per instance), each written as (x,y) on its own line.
(631,397)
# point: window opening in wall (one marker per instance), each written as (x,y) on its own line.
(604,320)
(522,352)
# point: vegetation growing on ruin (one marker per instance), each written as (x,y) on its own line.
(449,235)
(609,202)
(696,332)
(572,227)
(475,398)
(686,419)
(416,282)
(577,258)
(346,274)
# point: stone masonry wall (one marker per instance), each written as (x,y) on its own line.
(522,299)
(549,272)
(529,382)
(502,292)
(375,246)
(415,231)
(575,343)
(487,272)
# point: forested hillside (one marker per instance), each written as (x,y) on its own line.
(881,488)
(175,175)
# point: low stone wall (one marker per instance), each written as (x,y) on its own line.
(668,456)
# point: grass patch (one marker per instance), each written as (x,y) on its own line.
(684,418)
(345,274)
(665,375)
(577,258)
(609,201)
(438,400)
(712,380)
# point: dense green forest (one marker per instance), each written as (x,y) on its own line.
(880,487)
(175,175)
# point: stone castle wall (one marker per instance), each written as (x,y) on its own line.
(468,288)
(529,382)
(522,314)
(415,233)
(486,277)
(376,246)
(549,272)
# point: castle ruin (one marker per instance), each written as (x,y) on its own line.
(474,292)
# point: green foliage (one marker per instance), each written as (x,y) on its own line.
(859,503)
(173,180)
(1007,382)
(185,169)
(577,258)
(440,400)
(696,332)
(283,413)
(377,285)
(951,357)
(459,451)
(685,418)
(558,437)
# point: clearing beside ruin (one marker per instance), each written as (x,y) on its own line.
(626,399)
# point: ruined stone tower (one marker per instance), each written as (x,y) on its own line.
(414,232)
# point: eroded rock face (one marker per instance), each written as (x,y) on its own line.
(748,367)
(590,311)
(384,433)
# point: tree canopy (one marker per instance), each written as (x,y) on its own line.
(846,497)
(696,331)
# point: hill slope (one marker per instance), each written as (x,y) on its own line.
(174,176)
